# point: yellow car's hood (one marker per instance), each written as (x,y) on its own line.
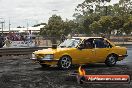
(51,51)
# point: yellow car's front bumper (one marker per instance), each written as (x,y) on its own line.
(46,61)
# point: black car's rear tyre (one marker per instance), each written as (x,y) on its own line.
(65,62)
(111,60)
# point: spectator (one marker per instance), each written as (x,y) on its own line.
(63,38)
(1,41)
(8,42)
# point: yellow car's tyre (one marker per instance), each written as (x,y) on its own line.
(44,65)
(65,62)
(111,60)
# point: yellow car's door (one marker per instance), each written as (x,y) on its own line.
(101,54)
(84,55)
(87,53)
(102,50)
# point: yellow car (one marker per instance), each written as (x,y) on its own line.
(80,50)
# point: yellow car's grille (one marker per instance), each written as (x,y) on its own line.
(39,56)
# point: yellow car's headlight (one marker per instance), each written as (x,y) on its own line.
(34,56)
(48,57)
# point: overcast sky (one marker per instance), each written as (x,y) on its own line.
(36,11)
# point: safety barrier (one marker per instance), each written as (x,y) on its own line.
(20,51)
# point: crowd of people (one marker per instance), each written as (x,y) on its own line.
(12,36)
(17,37)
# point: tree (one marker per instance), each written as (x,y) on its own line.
(54,27)
(91,6)
(127,27)
(95,27)
(88,20)
(69,26)
(105,21)
(117,23)
(126,6)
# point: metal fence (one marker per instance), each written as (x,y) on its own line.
(44,41)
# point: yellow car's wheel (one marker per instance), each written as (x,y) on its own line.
(111,60)
(65,62)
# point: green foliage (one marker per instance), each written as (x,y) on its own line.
(99,17)
(92,6)
(95,27)
(56,27)
(128,27)
(53,28)
(93,16)
(105,21)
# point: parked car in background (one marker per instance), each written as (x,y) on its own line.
(80,50)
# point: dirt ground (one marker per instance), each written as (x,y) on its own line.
(20,72)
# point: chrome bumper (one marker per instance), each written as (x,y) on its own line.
(45,60)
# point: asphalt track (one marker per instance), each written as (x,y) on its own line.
(20,72)
(128,60)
